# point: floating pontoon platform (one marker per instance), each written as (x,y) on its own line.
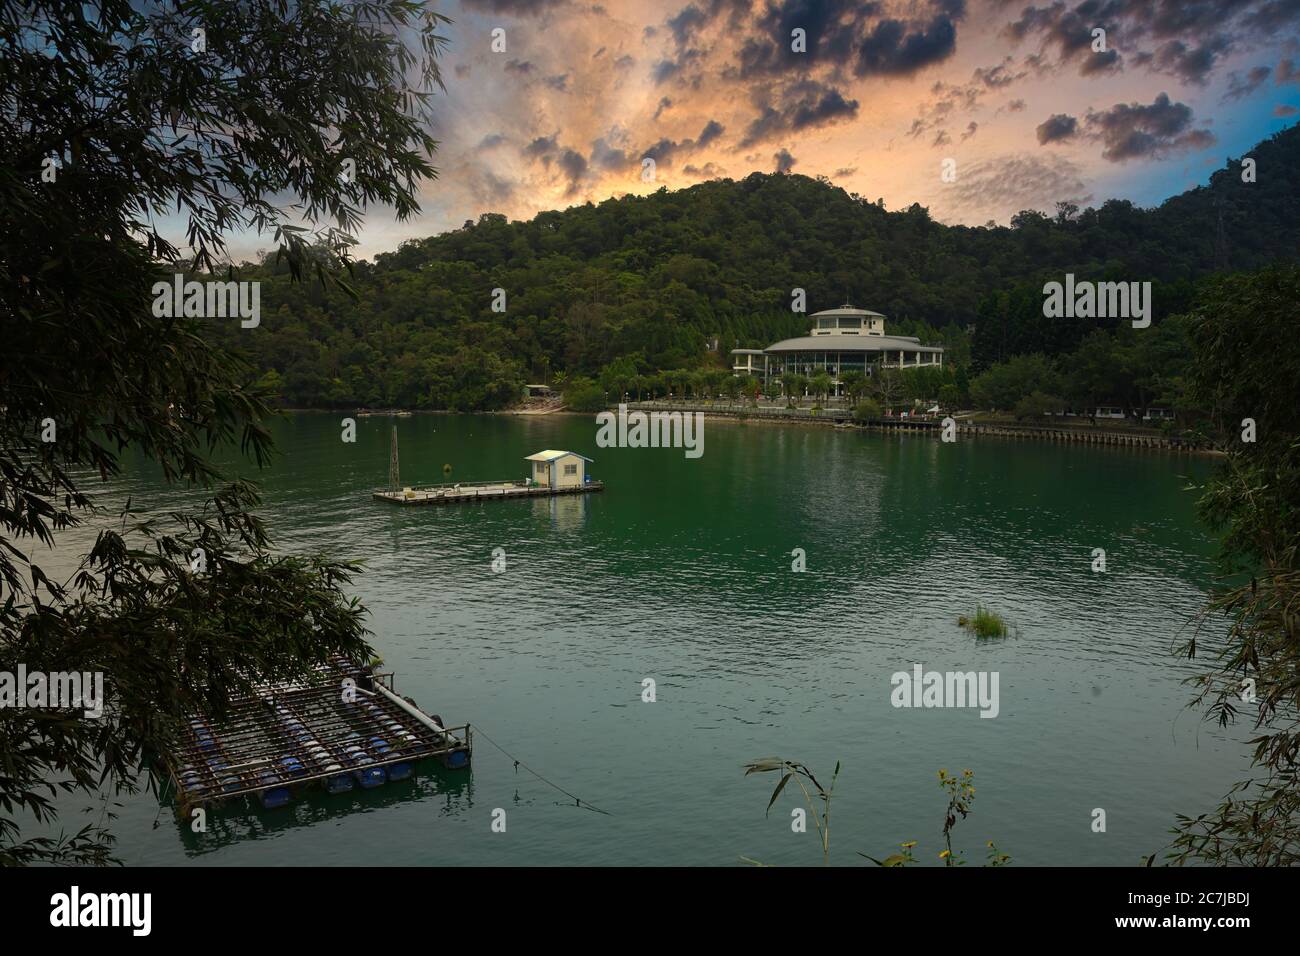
(343,727)
(480,491)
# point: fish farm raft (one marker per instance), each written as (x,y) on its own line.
(552,472)
(479,491)
(342,727)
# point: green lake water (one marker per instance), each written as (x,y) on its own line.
(680,571)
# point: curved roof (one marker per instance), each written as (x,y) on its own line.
(852,343)
(845,310)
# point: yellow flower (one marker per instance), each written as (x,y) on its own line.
(944,854)
(908,846)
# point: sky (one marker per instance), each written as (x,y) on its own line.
(553,103)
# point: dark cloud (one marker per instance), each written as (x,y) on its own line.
(1184,38)
(1016,106)
(1132,130)
(518,8)
(605,156)
(1057,128)
(998,76)
(559,82)
(844,33)
(1189,64)
(844,172)
(971,128)
(519,66)
(664,103)
(1284,110)
(542,147)
(1068,30)
(662,151)
(784,161)
(492,139)
(900,48)
(1137,131)
(1097,63)
(686,23)
(664,70)
(1240,87)
(1268,18)
(942,139)
(707,171)
(624,62)
(573,165)
(1287,73)
(801,105)
(712,130)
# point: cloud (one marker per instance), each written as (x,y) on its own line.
(541,147)
(517,8)
(784,161)
(1056,128)
(707,171)
(606,156)
(900,48)
(844,172)
(1287,72)
(1002,186)
(1189,64)
(846,33)
(998,76)
(1284,110)
(574,166)
(1240,87)
(1134,131)
(712,130)
(690,19)
(801,105)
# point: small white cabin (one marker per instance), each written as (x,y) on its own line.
(558,469)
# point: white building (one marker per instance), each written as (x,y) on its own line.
(840,340)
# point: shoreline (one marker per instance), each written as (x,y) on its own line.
(1109,437)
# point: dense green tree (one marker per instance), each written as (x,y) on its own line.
(1247,373)
(663,275)
(137,127)
(1005,384)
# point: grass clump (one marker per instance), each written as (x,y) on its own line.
(985,623)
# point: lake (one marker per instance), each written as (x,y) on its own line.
(680,572)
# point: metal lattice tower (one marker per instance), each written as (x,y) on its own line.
(394,472)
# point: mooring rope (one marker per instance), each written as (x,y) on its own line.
(578,801)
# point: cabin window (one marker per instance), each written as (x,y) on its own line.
(539,468)
(570,469)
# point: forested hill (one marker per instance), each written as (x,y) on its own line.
(660,277)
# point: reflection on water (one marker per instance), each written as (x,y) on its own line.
(680,571)
(442,791)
